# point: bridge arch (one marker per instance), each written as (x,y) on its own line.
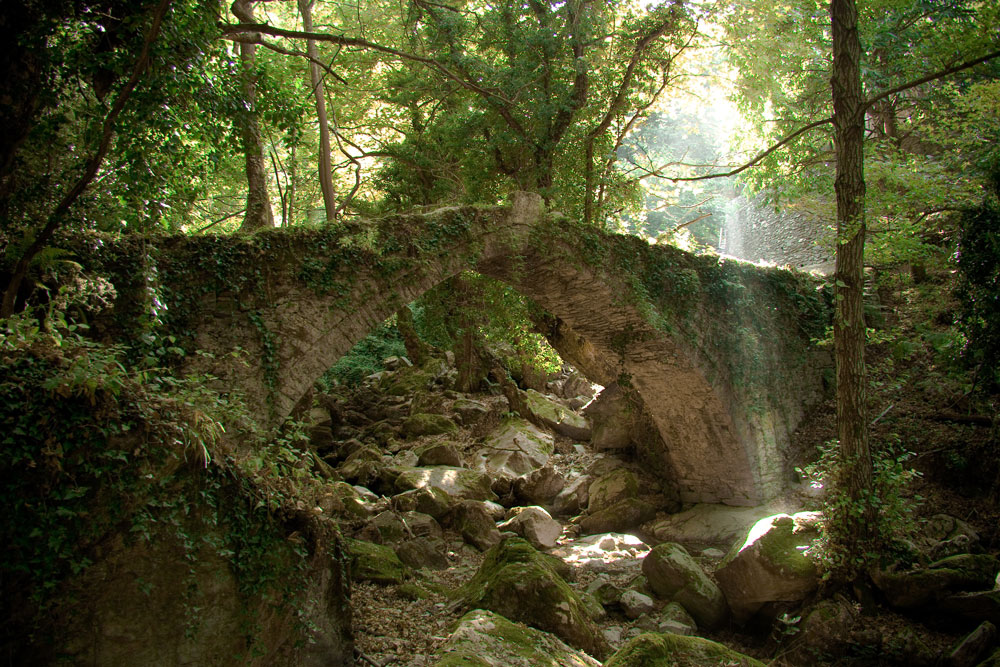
(723,388)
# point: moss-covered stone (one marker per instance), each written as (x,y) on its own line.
(485,639)
(660,650)
(522,584)
(426,424)
(621,517)
(617,485)
(516,447)
(374,562)
(556,416)
(438,454)
(672,574)
(771,564)
(427,499)
(407,382)
(916,588)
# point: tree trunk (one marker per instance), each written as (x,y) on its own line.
(416,349)
(856,477)
(258,213)
(319,91)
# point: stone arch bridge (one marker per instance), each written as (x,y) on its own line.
(718,351)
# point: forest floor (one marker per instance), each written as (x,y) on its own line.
(923,415)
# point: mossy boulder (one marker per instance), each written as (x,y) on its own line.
(617,485)
(659,650)
(919,588)
(423,423)
(438,454)
(522,584)
(771,564)
(374,562)
(485,639)
(473,521)
(516,447)
(557,416)
(408,381)
(456,482)
(621,517)
(469,412)
(427,499)
(672,574)
(342,500)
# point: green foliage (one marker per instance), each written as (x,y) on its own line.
(92,448)
(893,506)
(979,286)
(365,358)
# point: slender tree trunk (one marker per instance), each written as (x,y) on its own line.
(292,176)
(849,325)
(416,349)
(258,213)
(319,91)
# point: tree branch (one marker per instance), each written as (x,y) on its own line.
(931,77)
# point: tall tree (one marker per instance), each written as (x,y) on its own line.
(258,211)
(849,322)
(325,173)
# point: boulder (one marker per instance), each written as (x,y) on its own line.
(535,525)
(612,418)
(469,412)
(408,381)
(557,416)
(485,639)
(429,500)
(438,454)
(674,619)
(919,588)
(943,535)
(573,497)
(619,484)
(522,584)
(343,500)
(516,447)
(475,524)
(771,564)
(708,525)
(604,591)
(539,487)
(974,647)
(456,482)
(651,649)
(635,604)
(422,424)
(977,606)
(421,552)
(431,403)
(374,562)
(828,629)
(672,574)
(622,516)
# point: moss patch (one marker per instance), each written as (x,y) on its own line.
(520,583)
(484,638)
(659,650)
(374,562)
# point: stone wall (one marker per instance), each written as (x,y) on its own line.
(795,237)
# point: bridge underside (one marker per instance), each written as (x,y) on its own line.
(719,352)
